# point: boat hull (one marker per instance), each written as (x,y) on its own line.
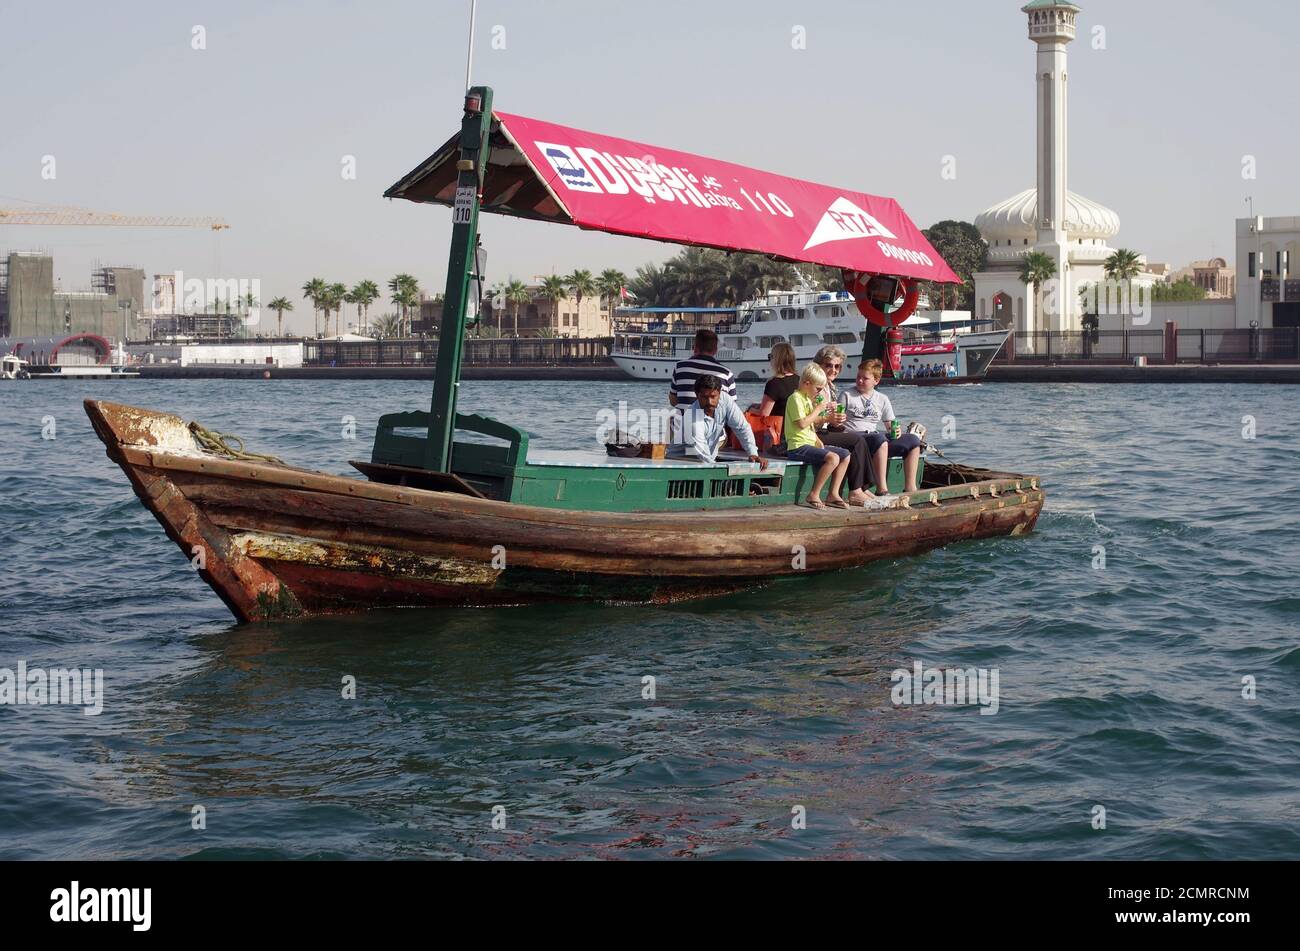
(275,541)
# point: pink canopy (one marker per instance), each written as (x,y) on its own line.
(551,172)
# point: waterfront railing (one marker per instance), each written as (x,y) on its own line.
(477,352)
(1261,345)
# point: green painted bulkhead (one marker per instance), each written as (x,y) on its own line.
(590,482)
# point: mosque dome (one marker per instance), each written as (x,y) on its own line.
(1017,218)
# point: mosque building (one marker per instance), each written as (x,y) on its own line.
(1073,231)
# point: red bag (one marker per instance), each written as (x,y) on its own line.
(767,432)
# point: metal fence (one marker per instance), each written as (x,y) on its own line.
(481,352)
(1266,345)
(1271,345)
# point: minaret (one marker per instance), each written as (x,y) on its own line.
(1052,28)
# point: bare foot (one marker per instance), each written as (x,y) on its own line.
(858,497)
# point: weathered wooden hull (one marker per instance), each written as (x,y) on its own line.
(275,541)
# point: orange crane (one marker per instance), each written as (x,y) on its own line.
(68,215)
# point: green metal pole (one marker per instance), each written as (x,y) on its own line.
(474,131)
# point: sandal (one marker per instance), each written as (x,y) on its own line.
(838,504)
(815,503)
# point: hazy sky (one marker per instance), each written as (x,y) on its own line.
(254,127)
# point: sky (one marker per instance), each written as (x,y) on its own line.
(1167,101)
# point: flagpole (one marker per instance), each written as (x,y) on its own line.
(469,59)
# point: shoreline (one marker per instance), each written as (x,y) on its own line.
(1284,374)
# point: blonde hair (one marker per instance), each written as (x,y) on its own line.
(783,359)
(874,367)
(813,374)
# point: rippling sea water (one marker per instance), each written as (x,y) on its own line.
(1119,687)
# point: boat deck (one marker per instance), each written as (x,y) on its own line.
(737,463)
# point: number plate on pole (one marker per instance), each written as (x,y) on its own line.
(464,205)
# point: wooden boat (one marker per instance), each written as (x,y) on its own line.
(487,520)
(276,541)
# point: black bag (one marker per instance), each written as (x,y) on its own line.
(623,446)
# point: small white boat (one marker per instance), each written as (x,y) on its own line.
(939,346)
(13,368)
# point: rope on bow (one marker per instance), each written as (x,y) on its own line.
(219,444)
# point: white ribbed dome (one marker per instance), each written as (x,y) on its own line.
(1017,218)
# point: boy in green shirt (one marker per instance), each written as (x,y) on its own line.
(802,413)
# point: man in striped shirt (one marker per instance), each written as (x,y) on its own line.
(703,362)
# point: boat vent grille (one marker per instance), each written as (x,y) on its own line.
(686,489)
(728,488)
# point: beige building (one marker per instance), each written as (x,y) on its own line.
(1213,276)
(542,316)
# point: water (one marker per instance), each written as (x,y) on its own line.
(1119,688)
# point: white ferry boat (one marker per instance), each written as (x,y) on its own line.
(938,347)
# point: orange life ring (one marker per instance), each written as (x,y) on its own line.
(856,282)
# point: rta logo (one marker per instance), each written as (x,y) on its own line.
(844,220)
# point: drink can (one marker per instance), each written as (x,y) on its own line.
(895,429)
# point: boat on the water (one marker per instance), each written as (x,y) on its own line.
(938,346)
(13,367)
(487,519)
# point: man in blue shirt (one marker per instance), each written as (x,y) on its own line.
(705,423)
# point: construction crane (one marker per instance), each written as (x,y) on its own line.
(68,215)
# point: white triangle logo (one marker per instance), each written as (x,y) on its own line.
(845,220)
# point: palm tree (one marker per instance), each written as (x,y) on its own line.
(389,325)
(364,294)
(350,297)
(610,284)
(745,276)
(1037,268)
(405,290)
(699,277)
(496,290)
(280,305)
(1123,266)
(335,295)
(517,293)
(314,291)
(583,285)
(652,285)
(554,289)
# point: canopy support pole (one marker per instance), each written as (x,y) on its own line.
(474,131)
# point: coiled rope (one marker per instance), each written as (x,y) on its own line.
(219,444)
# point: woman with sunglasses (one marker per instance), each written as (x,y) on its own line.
(832,433)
